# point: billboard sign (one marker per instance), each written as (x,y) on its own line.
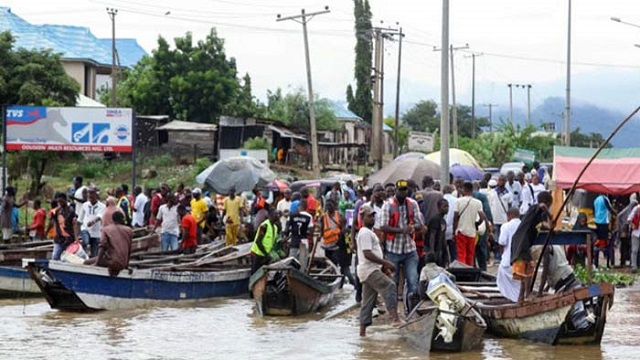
(420,141)
(40,128)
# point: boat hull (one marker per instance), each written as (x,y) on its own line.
(293,293)
(423,334)
(82,287)
(16,282)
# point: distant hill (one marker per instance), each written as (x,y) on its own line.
(589,118)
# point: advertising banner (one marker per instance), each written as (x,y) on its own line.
(39,128)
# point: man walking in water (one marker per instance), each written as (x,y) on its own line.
(371,272)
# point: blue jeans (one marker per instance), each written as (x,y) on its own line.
(169,242)
(57,251)
(89,242)
(409,263)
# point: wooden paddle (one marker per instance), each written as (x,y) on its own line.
(313,253)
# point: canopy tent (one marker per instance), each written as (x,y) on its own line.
(614,171)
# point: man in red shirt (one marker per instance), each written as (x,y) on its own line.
(189,231)
(156,201)
(36,229)
(312,203)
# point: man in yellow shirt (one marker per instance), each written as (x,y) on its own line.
(199,210)
(231,214)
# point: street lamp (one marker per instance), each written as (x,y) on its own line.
(617,19)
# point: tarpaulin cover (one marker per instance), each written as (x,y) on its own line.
(614,171)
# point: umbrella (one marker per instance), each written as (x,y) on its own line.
(466,172)
(456,156)
(409,169)
(244,173)
(277,185)
(411,155)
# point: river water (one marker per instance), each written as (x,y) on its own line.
(229,329)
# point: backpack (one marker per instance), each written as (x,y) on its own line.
(635,221)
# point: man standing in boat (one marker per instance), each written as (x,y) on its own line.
(509,288)
(232,209)
(65,218)
(401,219)
(265,239)
(371,272)
(89,225)
(537,217)
(298,228)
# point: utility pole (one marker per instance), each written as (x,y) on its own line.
(114,75)
(473,93)
(510,103)
(490,106)
(303,19)
(453,93)
(567,116)
(377,137)
(528,103)
(444,97)
(396,128)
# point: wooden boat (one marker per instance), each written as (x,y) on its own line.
(544,317)
(76,287)
(438,326)
(283,289)
(15,280)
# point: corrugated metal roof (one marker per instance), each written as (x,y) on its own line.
(177,125)
(342,112)
(73,42)
(286,133)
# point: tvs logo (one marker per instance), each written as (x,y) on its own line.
(25,115)
(122,132)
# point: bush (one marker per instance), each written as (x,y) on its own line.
(257,143)
(200,165)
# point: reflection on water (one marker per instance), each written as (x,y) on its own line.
(229,329)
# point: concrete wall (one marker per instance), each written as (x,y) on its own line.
(75,69)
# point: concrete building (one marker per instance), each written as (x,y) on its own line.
(84,56)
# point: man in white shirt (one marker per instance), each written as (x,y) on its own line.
(283,207)
(79,194)
(530,193)
(464,224)
(170,227)
(515,189)
(451,199)
(508,287)
(89,222)
(372,270)
(500,202)
(138,207)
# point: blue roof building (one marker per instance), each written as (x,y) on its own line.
(84,56)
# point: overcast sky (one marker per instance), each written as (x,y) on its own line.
(522,42)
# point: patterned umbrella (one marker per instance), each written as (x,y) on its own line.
(409,169)
(244,173)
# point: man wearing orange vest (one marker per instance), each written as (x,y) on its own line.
(401,219)
(331,226)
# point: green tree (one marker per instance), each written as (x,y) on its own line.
(293,110)
(33,77)
(423,116)
(193,82)
(592,140)
(361,100)
(257,143)
(403,133)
